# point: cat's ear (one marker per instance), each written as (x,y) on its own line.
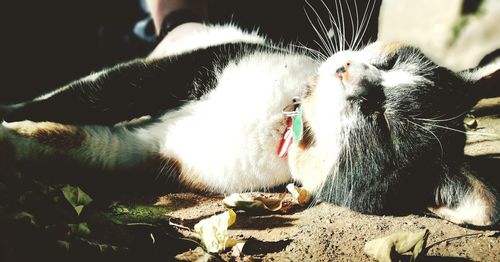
(484,80)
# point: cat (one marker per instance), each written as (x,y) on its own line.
(373,128)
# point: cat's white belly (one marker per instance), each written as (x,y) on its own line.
(228,141)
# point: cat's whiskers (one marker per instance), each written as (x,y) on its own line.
(322,44)
(333,39)
(359,26)
(320,57)
(342,21)
(364,22)
(432,133)
(352,40)
(350,169)
(439,118)
(432,122)
(387,121)
(322,33)
(463,132)
(340,31)
(330,36)
(161,170)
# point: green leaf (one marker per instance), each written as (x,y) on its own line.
(76,197)
(249,204)
(79,209)
(25,218)
(81,229)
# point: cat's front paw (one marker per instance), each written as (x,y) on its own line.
(472,213)
(475,204)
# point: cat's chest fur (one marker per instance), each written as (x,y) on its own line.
(236,128)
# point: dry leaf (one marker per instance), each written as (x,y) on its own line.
(237,250)
(231,242)
(302,196)
(213,231)
(241,201)
(472,124)
(247,202)
(272,204)
(386,248)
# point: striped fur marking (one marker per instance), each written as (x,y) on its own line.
(59,136)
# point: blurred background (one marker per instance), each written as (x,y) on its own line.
(46,44)
(454,33)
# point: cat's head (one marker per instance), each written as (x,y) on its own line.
(382,119)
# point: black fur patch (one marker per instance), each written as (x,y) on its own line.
(393,160)
(133,89)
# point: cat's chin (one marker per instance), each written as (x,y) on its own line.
(310,161)
(307,167)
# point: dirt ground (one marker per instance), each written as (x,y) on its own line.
(329,233)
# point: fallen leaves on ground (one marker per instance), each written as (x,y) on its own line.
(302,196)
(254,203)
(76,197)
(388,248)
(213,231)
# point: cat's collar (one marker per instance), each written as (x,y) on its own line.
(294,130)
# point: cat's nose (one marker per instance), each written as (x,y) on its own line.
(343,71)
(357,73)
(359,80)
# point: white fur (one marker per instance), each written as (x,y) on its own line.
(481,72)
(472,210)
(324,112)
(396,78)
(204,36)
(200,135)
(221,155)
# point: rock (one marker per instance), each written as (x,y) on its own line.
(442,30)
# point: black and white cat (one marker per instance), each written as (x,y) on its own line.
(369,139)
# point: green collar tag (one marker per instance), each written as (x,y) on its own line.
(297,126)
